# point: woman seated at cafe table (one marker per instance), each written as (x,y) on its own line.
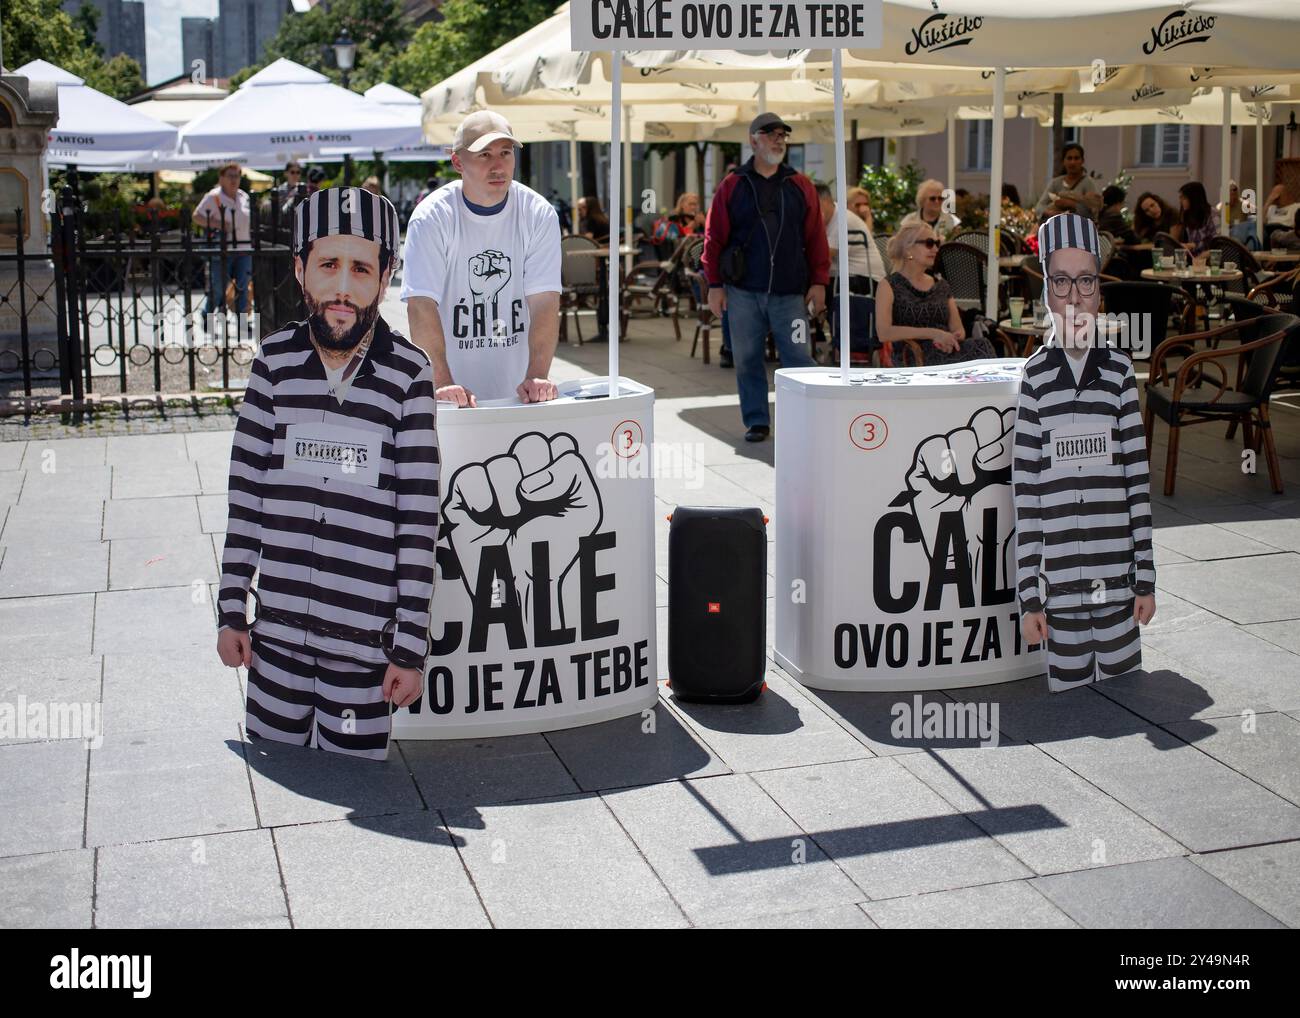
(1151,215)
(1199,223)
(912,304)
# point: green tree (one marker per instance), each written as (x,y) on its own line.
(469,29)
(307,39)
(893,193)
(86,21)
(41,29)
(119,77)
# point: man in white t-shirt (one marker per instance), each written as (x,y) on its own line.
(864,260)
(481,276)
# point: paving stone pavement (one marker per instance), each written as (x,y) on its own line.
(1168,798)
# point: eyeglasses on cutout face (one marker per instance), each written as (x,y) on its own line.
(928,242)
(777,133)
(1086,284)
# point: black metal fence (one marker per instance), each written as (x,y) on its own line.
(129,311)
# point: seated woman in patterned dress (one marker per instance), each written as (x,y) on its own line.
(911,304)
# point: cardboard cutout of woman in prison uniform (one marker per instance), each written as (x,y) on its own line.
(1082,496)
(334,494)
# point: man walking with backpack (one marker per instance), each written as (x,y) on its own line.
(766,261)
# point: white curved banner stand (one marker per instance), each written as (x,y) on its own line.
(895,528)
(544,604)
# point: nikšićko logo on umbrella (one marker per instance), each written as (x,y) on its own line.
(942,31)
(1178,29)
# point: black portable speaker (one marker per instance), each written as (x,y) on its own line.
(717,610)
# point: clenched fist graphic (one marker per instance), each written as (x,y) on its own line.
(540,491)
(489,272)
(967,470)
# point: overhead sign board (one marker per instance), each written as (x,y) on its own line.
(613,25)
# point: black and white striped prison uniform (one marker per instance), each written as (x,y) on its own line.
(1083,533)
(337,559)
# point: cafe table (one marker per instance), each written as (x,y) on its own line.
(1024,337)
(602,299)
(1285,259)
(1194,281)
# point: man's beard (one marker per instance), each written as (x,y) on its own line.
(340,339)
(771,158)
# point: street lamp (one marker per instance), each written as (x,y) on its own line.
(345,55)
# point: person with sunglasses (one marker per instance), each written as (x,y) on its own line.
(225,210)
(1085,573)
(766,261)
(912,304)
(930,210)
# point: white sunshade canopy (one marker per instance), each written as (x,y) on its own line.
(91,122)
(288,108)
(407,106)
(181,103)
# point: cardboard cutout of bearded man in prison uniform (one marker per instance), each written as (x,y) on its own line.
(334,498)
(1081,488)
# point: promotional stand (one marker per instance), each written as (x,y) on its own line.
(543,610)
(895,528)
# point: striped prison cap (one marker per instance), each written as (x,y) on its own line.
(335,211)
(1067,230)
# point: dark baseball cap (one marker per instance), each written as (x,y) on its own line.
(765,122)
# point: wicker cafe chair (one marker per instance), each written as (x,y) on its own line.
(1278,292)
(1107,249)
(966,270)
(579,283)
(1009,242)
(705,319)
(882,246)
(974,238)
(1167,243)
(662,291)
(1171,398)
(1288,371)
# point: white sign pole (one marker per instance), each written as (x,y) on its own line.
(841,213)
(629,213)
(1259,179)
(615,206)
(1225,160)
(951,179)
(573,180)
(995,191)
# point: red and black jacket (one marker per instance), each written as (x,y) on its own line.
(789,261)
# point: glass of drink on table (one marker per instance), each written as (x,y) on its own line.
(1017,305)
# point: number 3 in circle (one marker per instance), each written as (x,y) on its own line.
(627,439)
(868,431)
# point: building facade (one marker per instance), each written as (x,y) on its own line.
(120,30)
(198,52)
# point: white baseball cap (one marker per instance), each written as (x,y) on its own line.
(480,129)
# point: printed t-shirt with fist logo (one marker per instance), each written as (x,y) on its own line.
(481,269)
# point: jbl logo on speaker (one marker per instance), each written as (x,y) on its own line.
(714,607)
